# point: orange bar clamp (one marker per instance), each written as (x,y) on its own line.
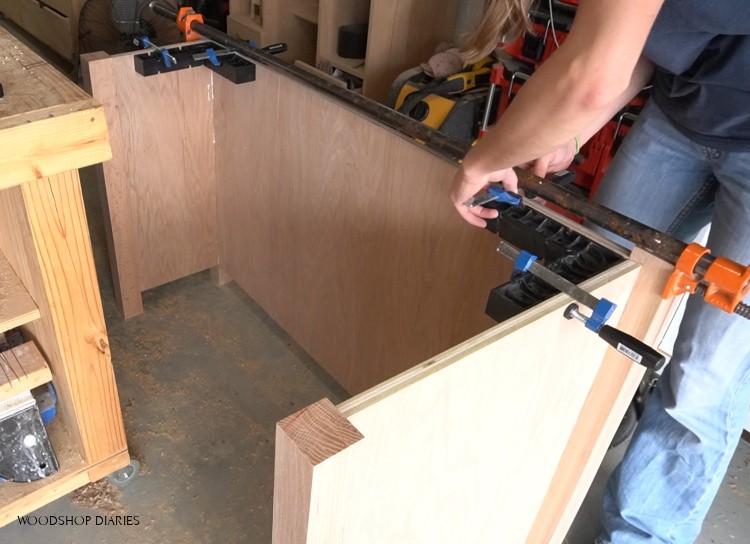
(725,284)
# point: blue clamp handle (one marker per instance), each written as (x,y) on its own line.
(602,313)
(211,54)
(524,261)
(506,197)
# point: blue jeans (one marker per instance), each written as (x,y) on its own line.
(692,423)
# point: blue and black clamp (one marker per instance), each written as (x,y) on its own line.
(494,193)
(601,313)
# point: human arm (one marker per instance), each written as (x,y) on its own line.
(574,92)
(560,158)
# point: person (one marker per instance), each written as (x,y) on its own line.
(685,162)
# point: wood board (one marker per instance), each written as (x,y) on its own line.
(461,448)
(16,305)
(38,106)
(22,368)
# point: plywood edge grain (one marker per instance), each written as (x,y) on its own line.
(303,440)
(21,369)
(457,353)
(16,305)
(615,383)
(53,140)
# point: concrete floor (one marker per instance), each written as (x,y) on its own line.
(203,376)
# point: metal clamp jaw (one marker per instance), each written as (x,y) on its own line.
(602,308)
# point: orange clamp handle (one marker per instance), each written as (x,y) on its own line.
(185,18)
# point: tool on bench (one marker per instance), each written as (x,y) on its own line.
(723,282)
(602,309)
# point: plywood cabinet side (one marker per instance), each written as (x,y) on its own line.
(343,231)
(463,447)
(161,182)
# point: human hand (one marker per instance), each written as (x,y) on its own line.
(467,184)
(554,161)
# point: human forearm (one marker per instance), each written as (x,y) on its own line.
(593,74)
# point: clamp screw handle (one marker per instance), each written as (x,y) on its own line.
(626,344)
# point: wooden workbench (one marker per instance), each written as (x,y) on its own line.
(342,231)
(48,129)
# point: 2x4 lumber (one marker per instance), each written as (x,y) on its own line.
(38,150)
(22,368)
(16,305)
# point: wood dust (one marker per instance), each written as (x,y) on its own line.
(101,495)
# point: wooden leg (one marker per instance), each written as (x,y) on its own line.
(46,240)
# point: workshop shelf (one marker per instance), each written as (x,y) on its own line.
(307,10)
(20,498)
(16,305)
(22,368)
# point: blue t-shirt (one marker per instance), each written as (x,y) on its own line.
(701,49)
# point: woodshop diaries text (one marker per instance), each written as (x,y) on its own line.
(78,520)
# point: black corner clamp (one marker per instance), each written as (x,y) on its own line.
(228,63)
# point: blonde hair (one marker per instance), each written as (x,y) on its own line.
(501,20)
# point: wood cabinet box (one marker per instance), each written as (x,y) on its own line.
(342,231)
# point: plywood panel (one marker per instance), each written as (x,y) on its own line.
(463,447)
(342,231)
(164,164)
(605,405)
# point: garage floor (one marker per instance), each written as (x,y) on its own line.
(203,376)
